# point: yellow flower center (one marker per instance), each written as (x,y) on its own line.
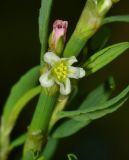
(60,71)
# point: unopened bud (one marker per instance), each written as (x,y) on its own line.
(104,6)
(58,36)
(89,22)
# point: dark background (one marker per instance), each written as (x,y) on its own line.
(104,139)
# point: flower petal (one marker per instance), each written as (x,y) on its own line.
(65,88)
(70,60)
(45,81)
(51,58)
(76,72)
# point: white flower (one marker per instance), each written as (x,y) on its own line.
(60,72)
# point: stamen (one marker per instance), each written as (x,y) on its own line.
(64,76)
(61,71)
(58,77)
(62,64)
(55,70)
(64,72)
(65,68)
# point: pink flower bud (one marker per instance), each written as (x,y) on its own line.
(58,36)
(59,30)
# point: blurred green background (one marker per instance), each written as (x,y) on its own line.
(104,139)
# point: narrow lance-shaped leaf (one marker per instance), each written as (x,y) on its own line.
(105,56)
(27,82)
(72,156)
(18,141)
(69,127)
(22,92)
(41,158)
(50,148)
(103,92)
(44,16)
(82,116)
(110,103)
(85,117)
(100,113)
(119,18)
(99,95)
(18,107)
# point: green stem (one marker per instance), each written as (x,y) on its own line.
(37,135)
(62,100)
(4,143)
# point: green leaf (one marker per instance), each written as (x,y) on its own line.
(50,148)
(41,158)
(18,141)
(18,107)
(44,16)
(114,102)
(81,118)
(104,91)
(69,128)
(72,156)
(26,83)
(100,113)
(105,56)
(121,18)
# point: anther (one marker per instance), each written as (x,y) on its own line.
(58,77)
(65,68)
